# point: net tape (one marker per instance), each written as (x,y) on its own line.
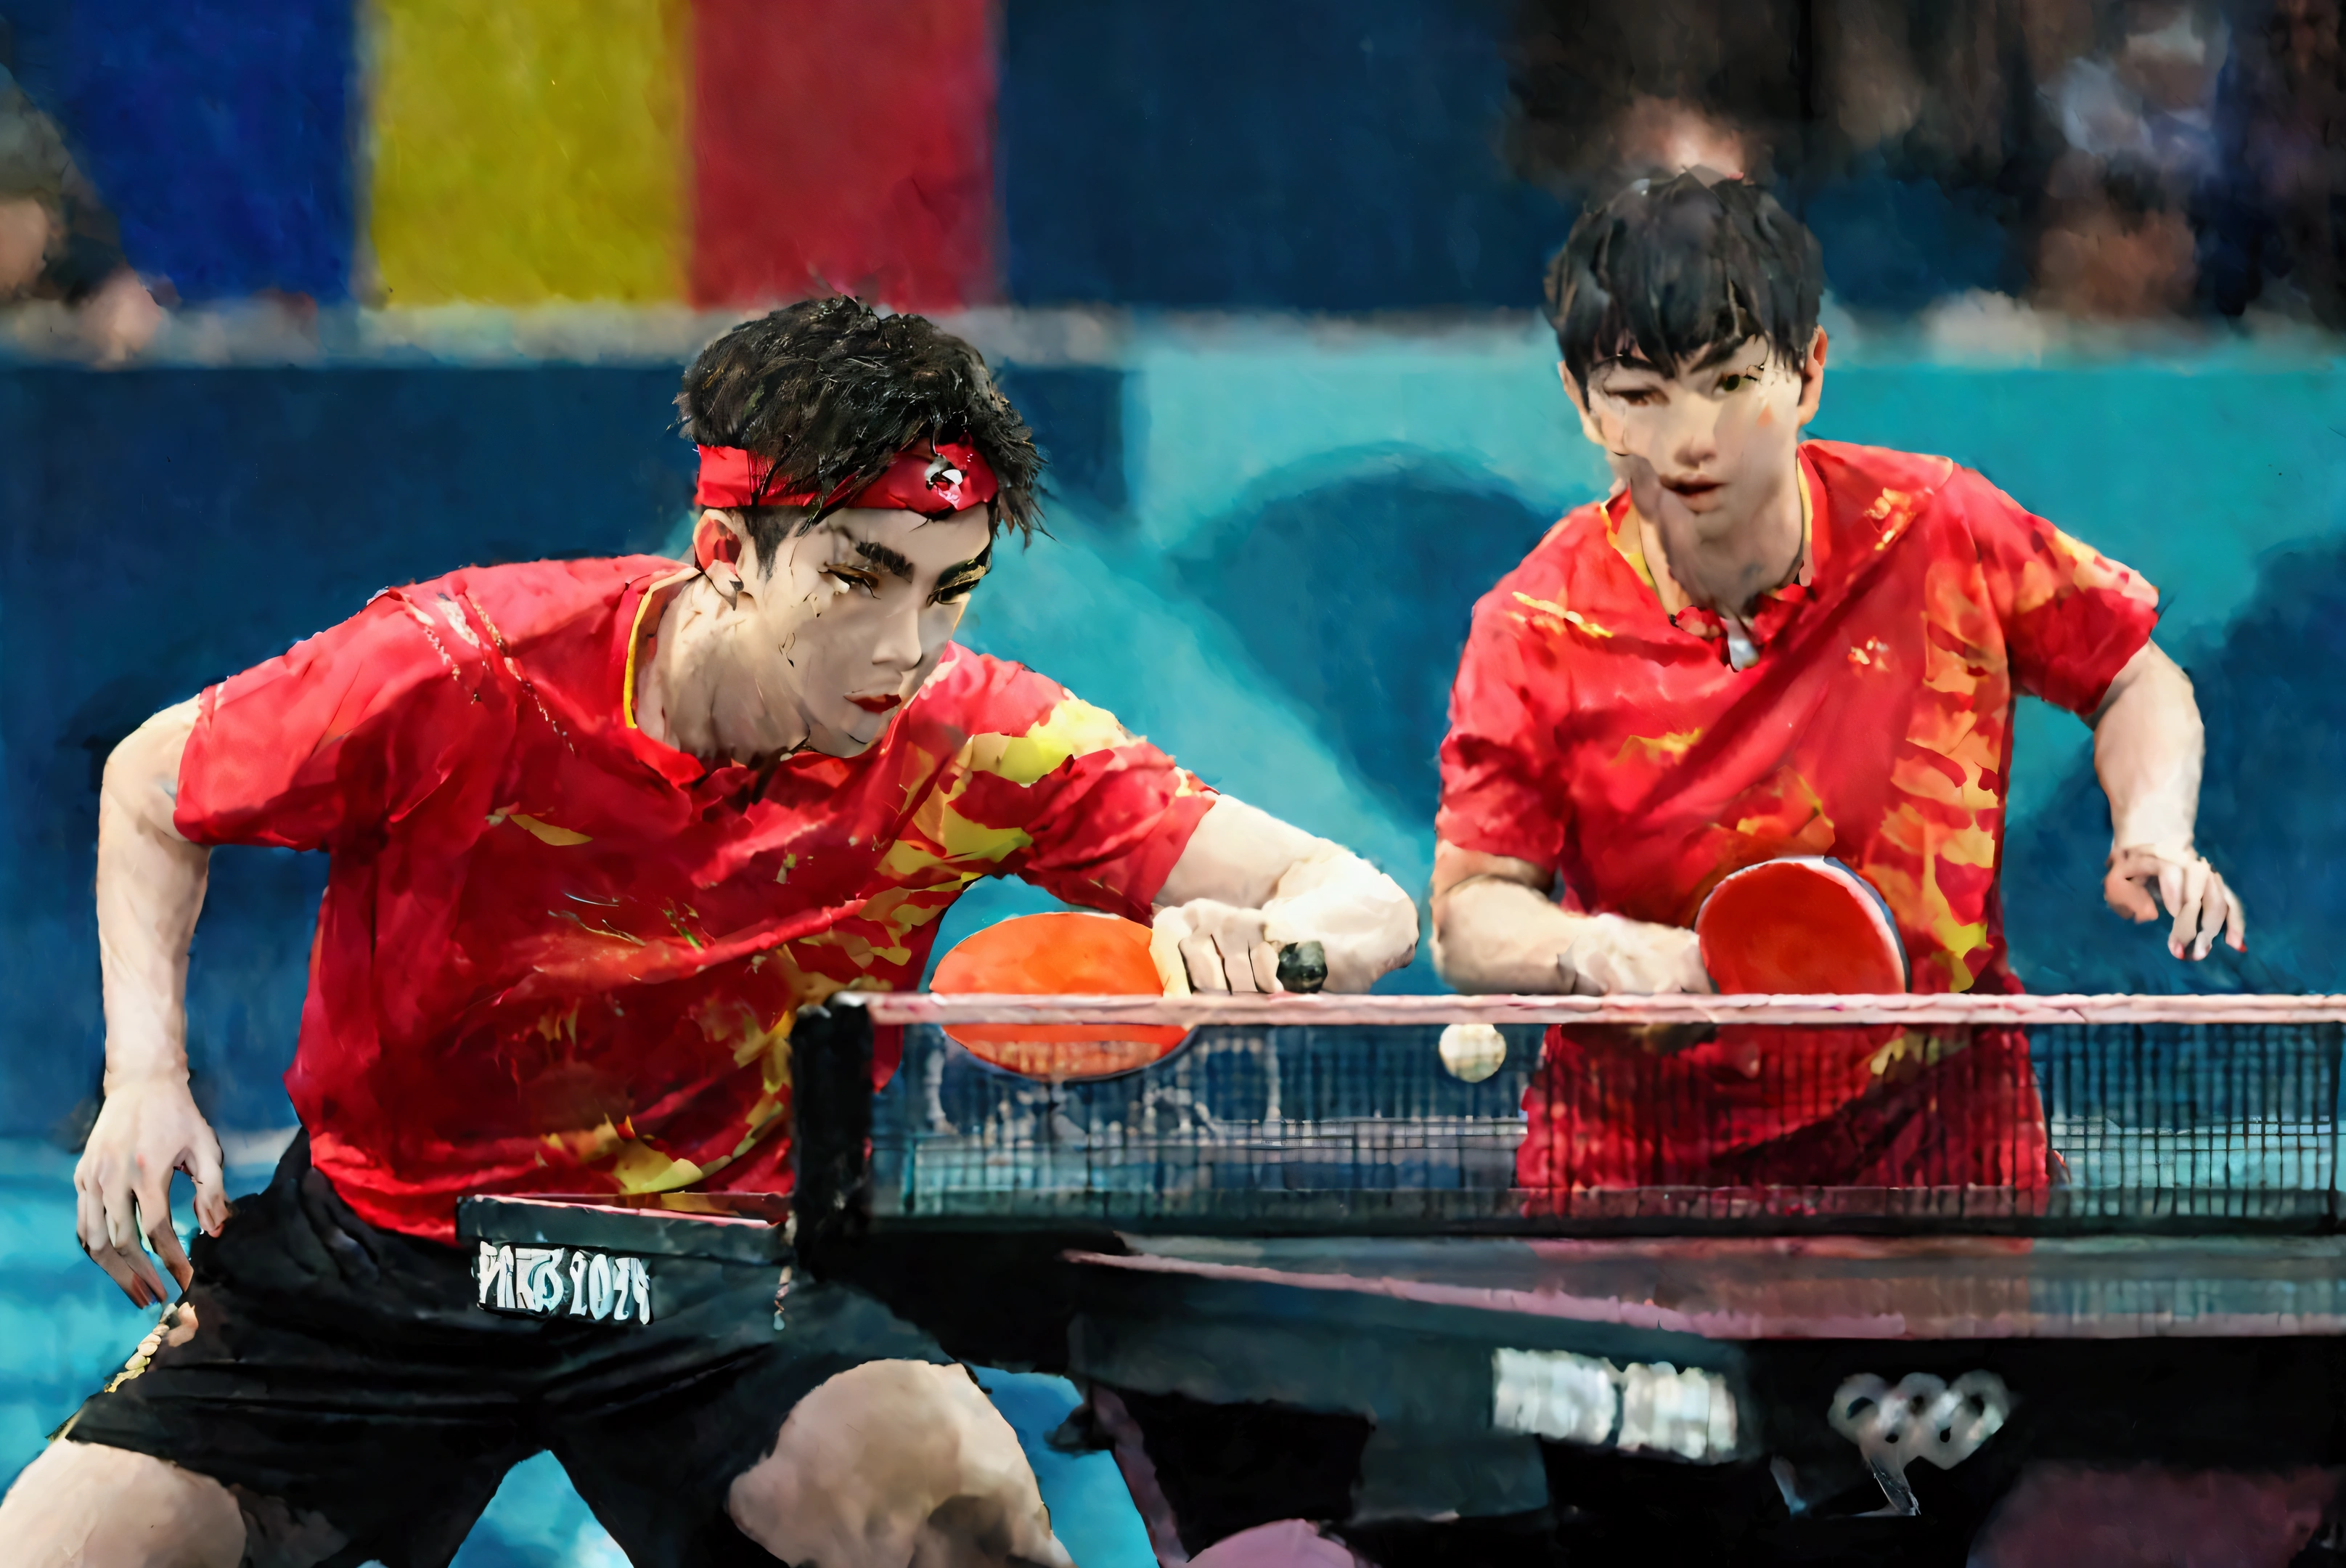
(1279,1011)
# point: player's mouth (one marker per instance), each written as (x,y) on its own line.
(1692,488)
(887,702)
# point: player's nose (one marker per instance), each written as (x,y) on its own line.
(899,643)
(1694,440)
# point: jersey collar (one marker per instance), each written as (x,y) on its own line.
(1627,531)
(637,626)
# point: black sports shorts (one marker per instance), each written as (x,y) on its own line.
(349,1385)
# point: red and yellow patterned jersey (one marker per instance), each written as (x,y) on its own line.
(1594,734)
(556,955)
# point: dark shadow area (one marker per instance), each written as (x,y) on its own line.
(1353,593)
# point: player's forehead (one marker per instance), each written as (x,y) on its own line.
(1630,361)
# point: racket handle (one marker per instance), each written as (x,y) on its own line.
(1302,966)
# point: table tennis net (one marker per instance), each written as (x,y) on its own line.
(2149,1126)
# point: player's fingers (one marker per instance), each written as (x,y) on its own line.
(122,1234)
(1237,965)
(2215,908)
(130,1267)
(1165,934)
(203,1169)
(2183,887)
(1204,961)
(155,1214)
(89,1226)
(2167,878)
(117,1269)
(119,1195)
(2236,921)
(1265,956)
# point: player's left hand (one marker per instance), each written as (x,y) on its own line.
(1363,921)
(2192,891)
(1208,945)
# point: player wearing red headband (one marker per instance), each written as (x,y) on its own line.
(598,828)
(1760,648)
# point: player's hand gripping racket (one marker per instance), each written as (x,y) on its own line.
(1069,954)
(1800,926)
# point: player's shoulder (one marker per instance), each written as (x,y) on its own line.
(1846,465)
(1575,557)
(1878,492)
(525,601)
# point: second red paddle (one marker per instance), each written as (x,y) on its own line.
(1800,926)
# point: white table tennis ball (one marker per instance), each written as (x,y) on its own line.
(1473,1052)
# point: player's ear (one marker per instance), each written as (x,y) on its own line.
(1573,389)
(1812,377)
(718,536)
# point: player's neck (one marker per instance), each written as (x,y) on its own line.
(1726,569)
(703,688)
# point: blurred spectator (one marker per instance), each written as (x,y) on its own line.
(1608,93)
(2127,159)
(2139,121)
(2274,237)
(58,242)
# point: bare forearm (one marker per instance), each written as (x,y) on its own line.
(1493,936)
(2148,744)
(1495,930)
(150,888)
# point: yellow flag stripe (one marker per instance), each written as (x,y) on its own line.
(527,151)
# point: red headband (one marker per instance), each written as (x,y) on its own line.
(936,483)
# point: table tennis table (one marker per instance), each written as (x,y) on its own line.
(1292,1268)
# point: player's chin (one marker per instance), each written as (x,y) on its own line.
(849,733)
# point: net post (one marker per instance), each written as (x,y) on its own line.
(831,1130)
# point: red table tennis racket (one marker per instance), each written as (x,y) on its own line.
(1061,953)
(1068,952)
(1800,926)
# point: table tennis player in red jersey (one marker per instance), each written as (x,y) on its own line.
(1761,646)
(597,829)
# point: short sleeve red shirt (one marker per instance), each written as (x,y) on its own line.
(556,955)
(1593,734)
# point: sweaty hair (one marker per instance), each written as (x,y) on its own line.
(831,390)
(1673,272)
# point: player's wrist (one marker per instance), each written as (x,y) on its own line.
(2179,849)
(146,1079)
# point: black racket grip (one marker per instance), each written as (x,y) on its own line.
(1302,966)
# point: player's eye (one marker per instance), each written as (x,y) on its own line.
(1637,397)
(853,577)
(956,591)
(1737,382)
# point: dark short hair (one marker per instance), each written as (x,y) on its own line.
(831,390)
(1679,269)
